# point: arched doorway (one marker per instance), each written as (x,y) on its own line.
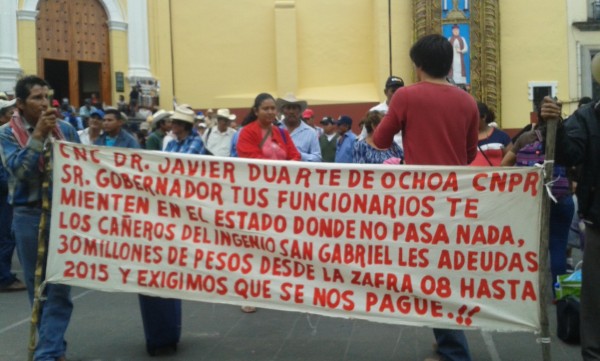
(73,49)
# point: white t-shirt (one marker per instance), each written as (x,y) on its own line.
(168,137)
(382,108)
(218,143)
(84,136)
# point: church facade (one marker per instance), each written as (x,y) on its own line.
(336,54)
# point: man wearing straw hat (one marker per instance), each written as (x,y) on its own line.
(25,144)
(182,128)
(162,316)
(304,137)
(217,139)
(161,125)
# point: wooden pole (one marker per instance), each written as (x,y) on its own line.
(544,238)
(42,250)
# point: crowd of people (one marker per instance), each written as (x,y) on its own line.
(407,128)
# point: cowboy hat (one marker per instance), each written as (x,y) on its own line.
(224,113)
(144,126)
(160,115)
(290,99)
(184,114)
(7,103)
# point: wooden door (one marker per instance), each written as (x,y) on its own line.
(75,31)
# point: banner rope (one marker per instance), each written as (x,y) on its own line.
(549,184)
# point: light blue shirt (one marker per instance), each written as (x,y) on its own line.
(234,140)
(345,148)
(307,142)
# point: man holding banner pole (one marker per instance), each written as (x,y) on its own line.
(23,143)
(441,133)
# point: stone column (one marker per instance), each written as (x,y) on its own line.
(9,58)
(139,52)
(137,36)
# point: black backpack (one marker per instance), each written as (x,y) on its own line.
(567,319)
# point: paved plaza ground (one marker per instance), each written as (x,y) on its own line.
(108,327)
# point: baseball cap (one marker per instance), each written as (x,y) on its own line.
(344,119)
(308,113)
(394,81)
(326,120)
(99,113)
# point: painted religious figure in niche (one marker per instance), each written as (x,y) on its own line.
(458,35)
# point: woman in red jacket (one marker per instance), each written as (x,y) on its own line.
(259,138)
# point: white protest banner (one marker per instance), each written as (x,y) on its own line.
(436,246)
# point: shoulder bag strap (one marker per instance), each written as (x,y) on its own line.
(282,135)
(484,155)
(262,142)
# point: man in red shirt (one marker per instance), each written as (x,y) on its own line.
(438,121)
(439,124)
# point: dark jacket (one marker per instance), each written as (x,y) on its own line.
(328,147)
(124,140)
(578,143)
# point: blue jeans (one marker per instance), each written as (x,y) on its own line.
(452,345)
(7,242)
(55,312)
(561,215)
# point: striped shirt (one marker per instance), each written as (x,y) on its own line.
(490,150)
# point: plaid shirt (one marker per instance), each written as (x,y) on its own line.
(192,144)
(25,177)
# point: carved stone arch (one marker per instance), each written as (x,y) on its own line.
(116,21)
